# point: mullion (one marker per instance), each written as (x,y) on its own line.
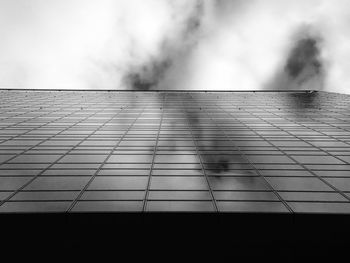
(201,161)
(145,200)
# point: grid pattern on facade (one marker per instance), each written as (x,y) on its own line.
(93,151)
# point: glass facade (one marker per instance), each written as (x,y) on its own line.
(128,151)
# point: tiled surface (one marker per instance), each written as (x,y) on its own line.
(278,152)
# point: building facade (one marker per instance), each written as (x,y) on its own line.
(128,151)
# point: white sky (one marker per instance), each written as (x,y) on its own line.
(95,44)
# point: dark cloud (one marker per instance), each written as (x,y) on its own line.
(194,21)
(148,76)
(304,62)
(305,54)
(154,73)
(304,66)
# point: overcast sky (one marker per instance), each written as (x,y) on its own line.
(175,44)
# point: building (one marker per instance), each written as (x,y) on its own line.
(267,169)
(73,151)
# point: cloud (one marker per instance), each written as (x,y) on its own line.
(169,44)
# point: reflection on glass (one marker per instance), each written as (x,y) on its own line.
(180,152)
